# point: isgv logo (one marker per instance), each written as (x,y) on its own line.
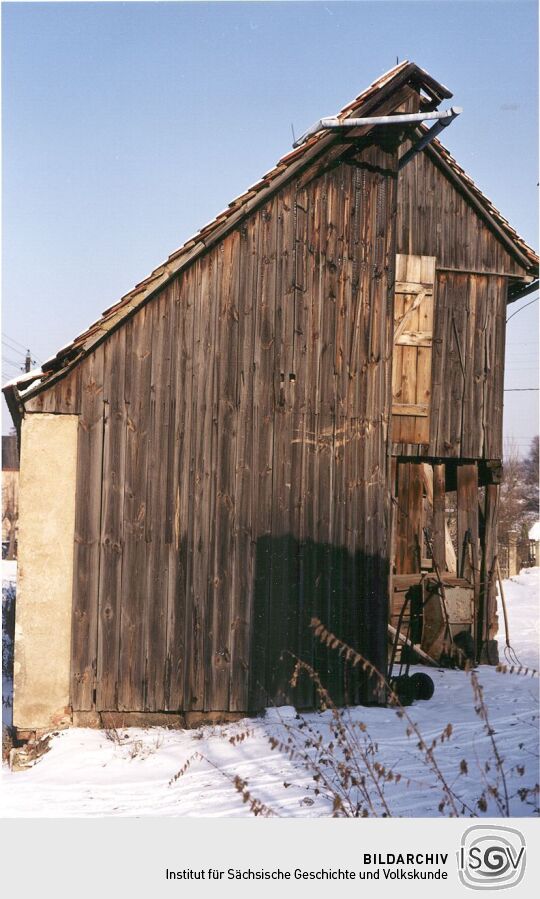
(491,857)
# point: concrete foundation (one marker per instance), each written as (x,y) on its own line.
(45,571)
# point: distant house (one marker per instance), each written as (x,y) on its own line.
(268,429)
(10,495)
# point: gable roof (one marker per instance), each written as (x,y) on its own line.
(483,205)
(380,92)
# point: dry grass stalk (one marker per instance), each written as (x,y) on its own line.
(357,659)
(516,669)
(257,808)
(346,770)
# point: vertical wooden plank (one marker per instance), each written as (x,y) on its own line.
(87,535)
(134,561)
(457,363)
(468,536)
(202,424)
(487,617)
(439,521)
(467,521)
(409,517)
(246,501)
(302,449)
(402,552)
(328,611)
(284,588)
(494,353)
(424,353)
(397,358)
(320,424)
(263,437)
(157,575)
(307,390)
(410,354)
(339,271)
(223,581)
(180,488)
(375,486)
(112,524)
(474,423)
(438,370)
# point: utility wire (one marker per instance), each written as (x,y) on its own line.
(24,351)
(16,364)
(17,342)
(521,309)
(520,389)
(13,349)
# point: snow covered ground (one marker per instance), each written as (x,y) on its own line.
(86,774)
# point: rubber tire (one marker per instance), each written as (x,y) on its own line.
(404,689)
(422,685)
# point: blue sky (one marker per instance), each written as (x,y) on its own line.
(127,126)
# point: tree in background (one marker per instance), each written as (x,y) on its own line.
(530,482)
(518,500)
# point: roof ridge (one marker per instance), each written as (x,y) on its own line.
(403,73)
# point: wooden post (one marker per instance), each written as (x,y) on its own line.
(439,524)
(512,556)
(467,527)
(467,518)
(487,623)
(409,518)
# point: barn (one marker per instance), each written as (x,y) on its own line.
(277,424)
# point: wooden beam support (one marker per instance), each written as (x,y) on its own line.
(467,526)
(487,618)
(409,518)
(439,520)
(467,520)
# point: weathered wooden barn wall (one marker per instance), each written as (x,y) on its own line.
(435,219)
(232,469)
(460,330)
(470,292)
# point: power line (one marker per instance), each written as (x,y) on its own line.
(16,364)
(521,309)
(520,389)
(12,348)
(17,342)
(12,344)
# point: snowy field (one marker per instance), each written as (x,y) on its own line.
(88,774)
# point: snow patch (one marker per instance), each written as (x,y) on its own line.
(280,713)
(89,774)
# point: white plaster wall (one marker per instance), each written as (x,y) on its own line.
(45,571)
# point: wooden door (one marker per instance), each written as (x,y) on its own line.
(413,338)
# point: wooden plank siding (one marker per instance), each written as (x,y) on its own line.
(473,270)
(467,369)
(412,350)
(434,219)
(233,461)
(236,438)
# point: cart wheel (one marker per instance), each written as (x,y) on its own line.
(422,685)
(404,689)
